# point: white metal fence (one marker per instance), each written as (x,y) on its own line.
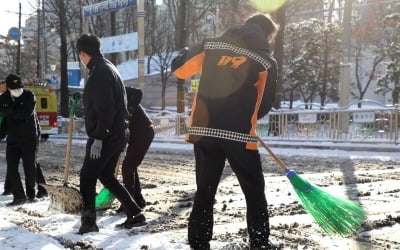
(373,124)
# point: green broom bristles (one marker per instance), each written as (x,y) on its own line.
(334,215)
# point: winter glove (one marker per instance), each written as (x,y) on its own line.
(95,149)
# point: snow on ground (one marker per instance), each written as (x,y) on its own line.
(33,226)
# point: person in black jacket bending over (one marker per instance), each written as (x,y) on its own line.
(20,126)
(237,87)
(105,109)
(141,134)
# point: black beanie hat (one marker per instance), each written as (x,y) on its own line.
(265,23)
(14,82)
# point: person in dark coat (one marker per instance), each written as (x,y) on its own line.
(106,114)
(20,126)
(237,87)
(141,134)
(6,108)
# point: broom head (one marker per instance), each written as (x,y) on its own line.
(334,215)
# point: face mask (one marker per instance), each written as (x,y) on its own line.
(16,92)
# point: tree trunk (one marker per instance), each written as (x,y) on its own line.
(63,61)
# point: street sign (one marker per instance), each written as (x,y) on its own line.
(107,6)
(74,74)
(121,43)
(14,33)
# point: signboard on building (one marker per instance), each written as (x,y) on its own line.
(74,74)
(106,6)
(121,43)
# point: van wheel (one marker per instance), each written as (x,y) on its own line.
(44,137)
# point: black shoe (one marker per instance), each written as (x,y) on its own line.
(32,200)
(88,229)
(137,221)
(6,192)
(205,246)
(88,222)
(16,202)
(271,245)
(41,193)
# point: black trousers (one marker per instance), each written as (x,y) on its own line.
(103,169)
(138,145)
(14,153)
(246,164)
(39,174)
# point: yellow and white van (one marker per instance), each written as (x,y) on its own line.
(46,109)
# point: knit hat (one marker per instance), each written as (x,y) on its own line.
(14,82)
(265,23)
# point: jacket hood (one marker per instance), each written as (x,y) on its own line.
(249,36)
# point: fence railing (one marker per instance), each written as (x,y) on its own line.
(376,124)
(373,124)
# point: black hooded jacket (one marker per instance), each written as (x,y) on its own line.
(237,83)
(105,100)
(19,123)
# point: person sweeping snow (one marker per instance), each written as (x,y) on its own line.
(237,87)
(105,106)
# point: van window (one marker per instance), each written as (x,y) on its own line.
(43,103)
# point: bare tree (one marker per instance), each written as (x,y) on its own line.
(160,45)
(59,18)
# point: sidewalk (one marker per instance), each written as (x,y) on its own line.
(371,146)
(293,144)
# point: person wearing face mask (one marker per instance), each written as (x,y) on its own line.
(106,114)
(20,126)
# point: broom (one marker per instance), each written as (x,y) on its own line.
(334,215)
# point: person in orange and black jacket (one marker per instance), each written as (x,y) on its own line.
(20,126)
(237,87)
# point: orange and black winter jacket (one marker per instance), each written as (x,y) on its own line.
(237,84)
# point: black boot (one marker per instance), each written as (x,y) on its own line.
(41,192)
(6,192)
(136,221)
(88,222)
(16,202)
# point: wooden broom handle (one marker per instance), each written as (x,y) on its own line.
(274,156)
(68,152)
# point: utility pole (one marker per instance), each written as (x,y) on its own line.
(140,15)
(180,102)
(44,43)
(19,42)
(113,57)
(345,68)
(278,54)
(38,66)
